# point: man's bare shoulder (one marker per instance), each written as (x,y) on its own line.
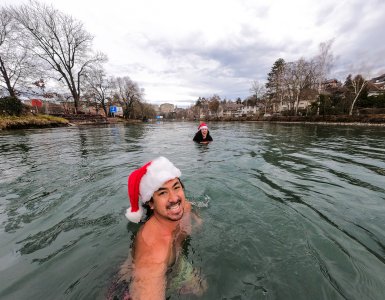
(151,244)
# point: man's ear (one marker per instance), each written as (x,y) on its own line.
(151,203)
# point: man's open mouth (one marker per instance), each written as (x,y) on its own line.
(174,206)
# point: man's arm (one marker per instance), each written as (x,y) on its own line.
(148,281)
(193,221)
(149,270)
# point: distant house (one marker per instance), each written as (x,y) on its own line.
(378,80)
(376,86)
(330,84)
(230,109)
(248,110)
(166,108)
(307,97)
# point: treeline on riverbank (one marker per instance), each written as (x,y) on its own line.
(346,119)
(367,119)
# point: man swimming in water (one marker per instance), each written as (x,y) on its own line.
(157,197)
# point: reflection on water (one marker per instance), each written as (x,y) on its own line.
(290,211)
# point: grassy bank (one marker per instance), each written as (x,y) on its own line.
(31,121)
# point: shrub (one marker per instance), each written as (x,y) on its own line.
(10,106)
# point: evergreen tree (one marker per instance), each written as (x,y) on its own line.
(275,83)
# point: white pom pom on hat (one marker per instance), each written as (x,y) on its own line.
(143,182)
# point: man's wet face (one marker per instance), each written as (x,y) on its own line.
(168,201)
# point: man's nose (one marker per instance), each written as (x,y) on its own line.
(173,196)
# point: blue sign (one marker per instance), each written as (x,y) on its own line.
(113,109)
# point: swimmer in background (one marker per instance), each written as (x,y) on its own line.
(157,198)
(203,135)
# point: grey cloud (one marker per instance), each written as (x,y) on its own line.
(246,57)
(365,51)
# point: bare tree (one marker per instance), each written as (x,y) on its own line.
(128,93)
(16,63)
(356,85)
(257,89)
(60,41)
(324,62)
(214,104)
(299,76)
(148,110)
(99,86)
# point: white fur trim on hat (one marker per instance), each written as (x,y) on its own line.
(137,216)
(158,172)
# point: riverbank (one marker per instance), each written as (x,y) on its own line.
(62,120)
(44,121)
(31,121)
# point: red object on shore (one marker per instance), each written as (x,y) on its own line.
(36,102)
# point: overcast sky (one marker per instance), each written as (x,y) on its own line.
(178,50)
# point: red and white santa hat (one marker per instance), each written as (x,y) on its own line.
(202,126)
(143,182)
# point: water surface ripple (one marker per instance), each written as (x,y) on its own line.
(290,211)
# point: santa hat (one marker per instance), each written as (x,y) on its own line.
(143,182)
(202,126)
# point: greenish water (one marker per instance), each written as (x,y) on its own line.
(290,211)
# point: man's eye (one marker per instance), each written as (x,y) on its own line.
(177,187)
(161,193)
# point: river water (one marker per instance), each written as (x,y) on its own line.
(290,211)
